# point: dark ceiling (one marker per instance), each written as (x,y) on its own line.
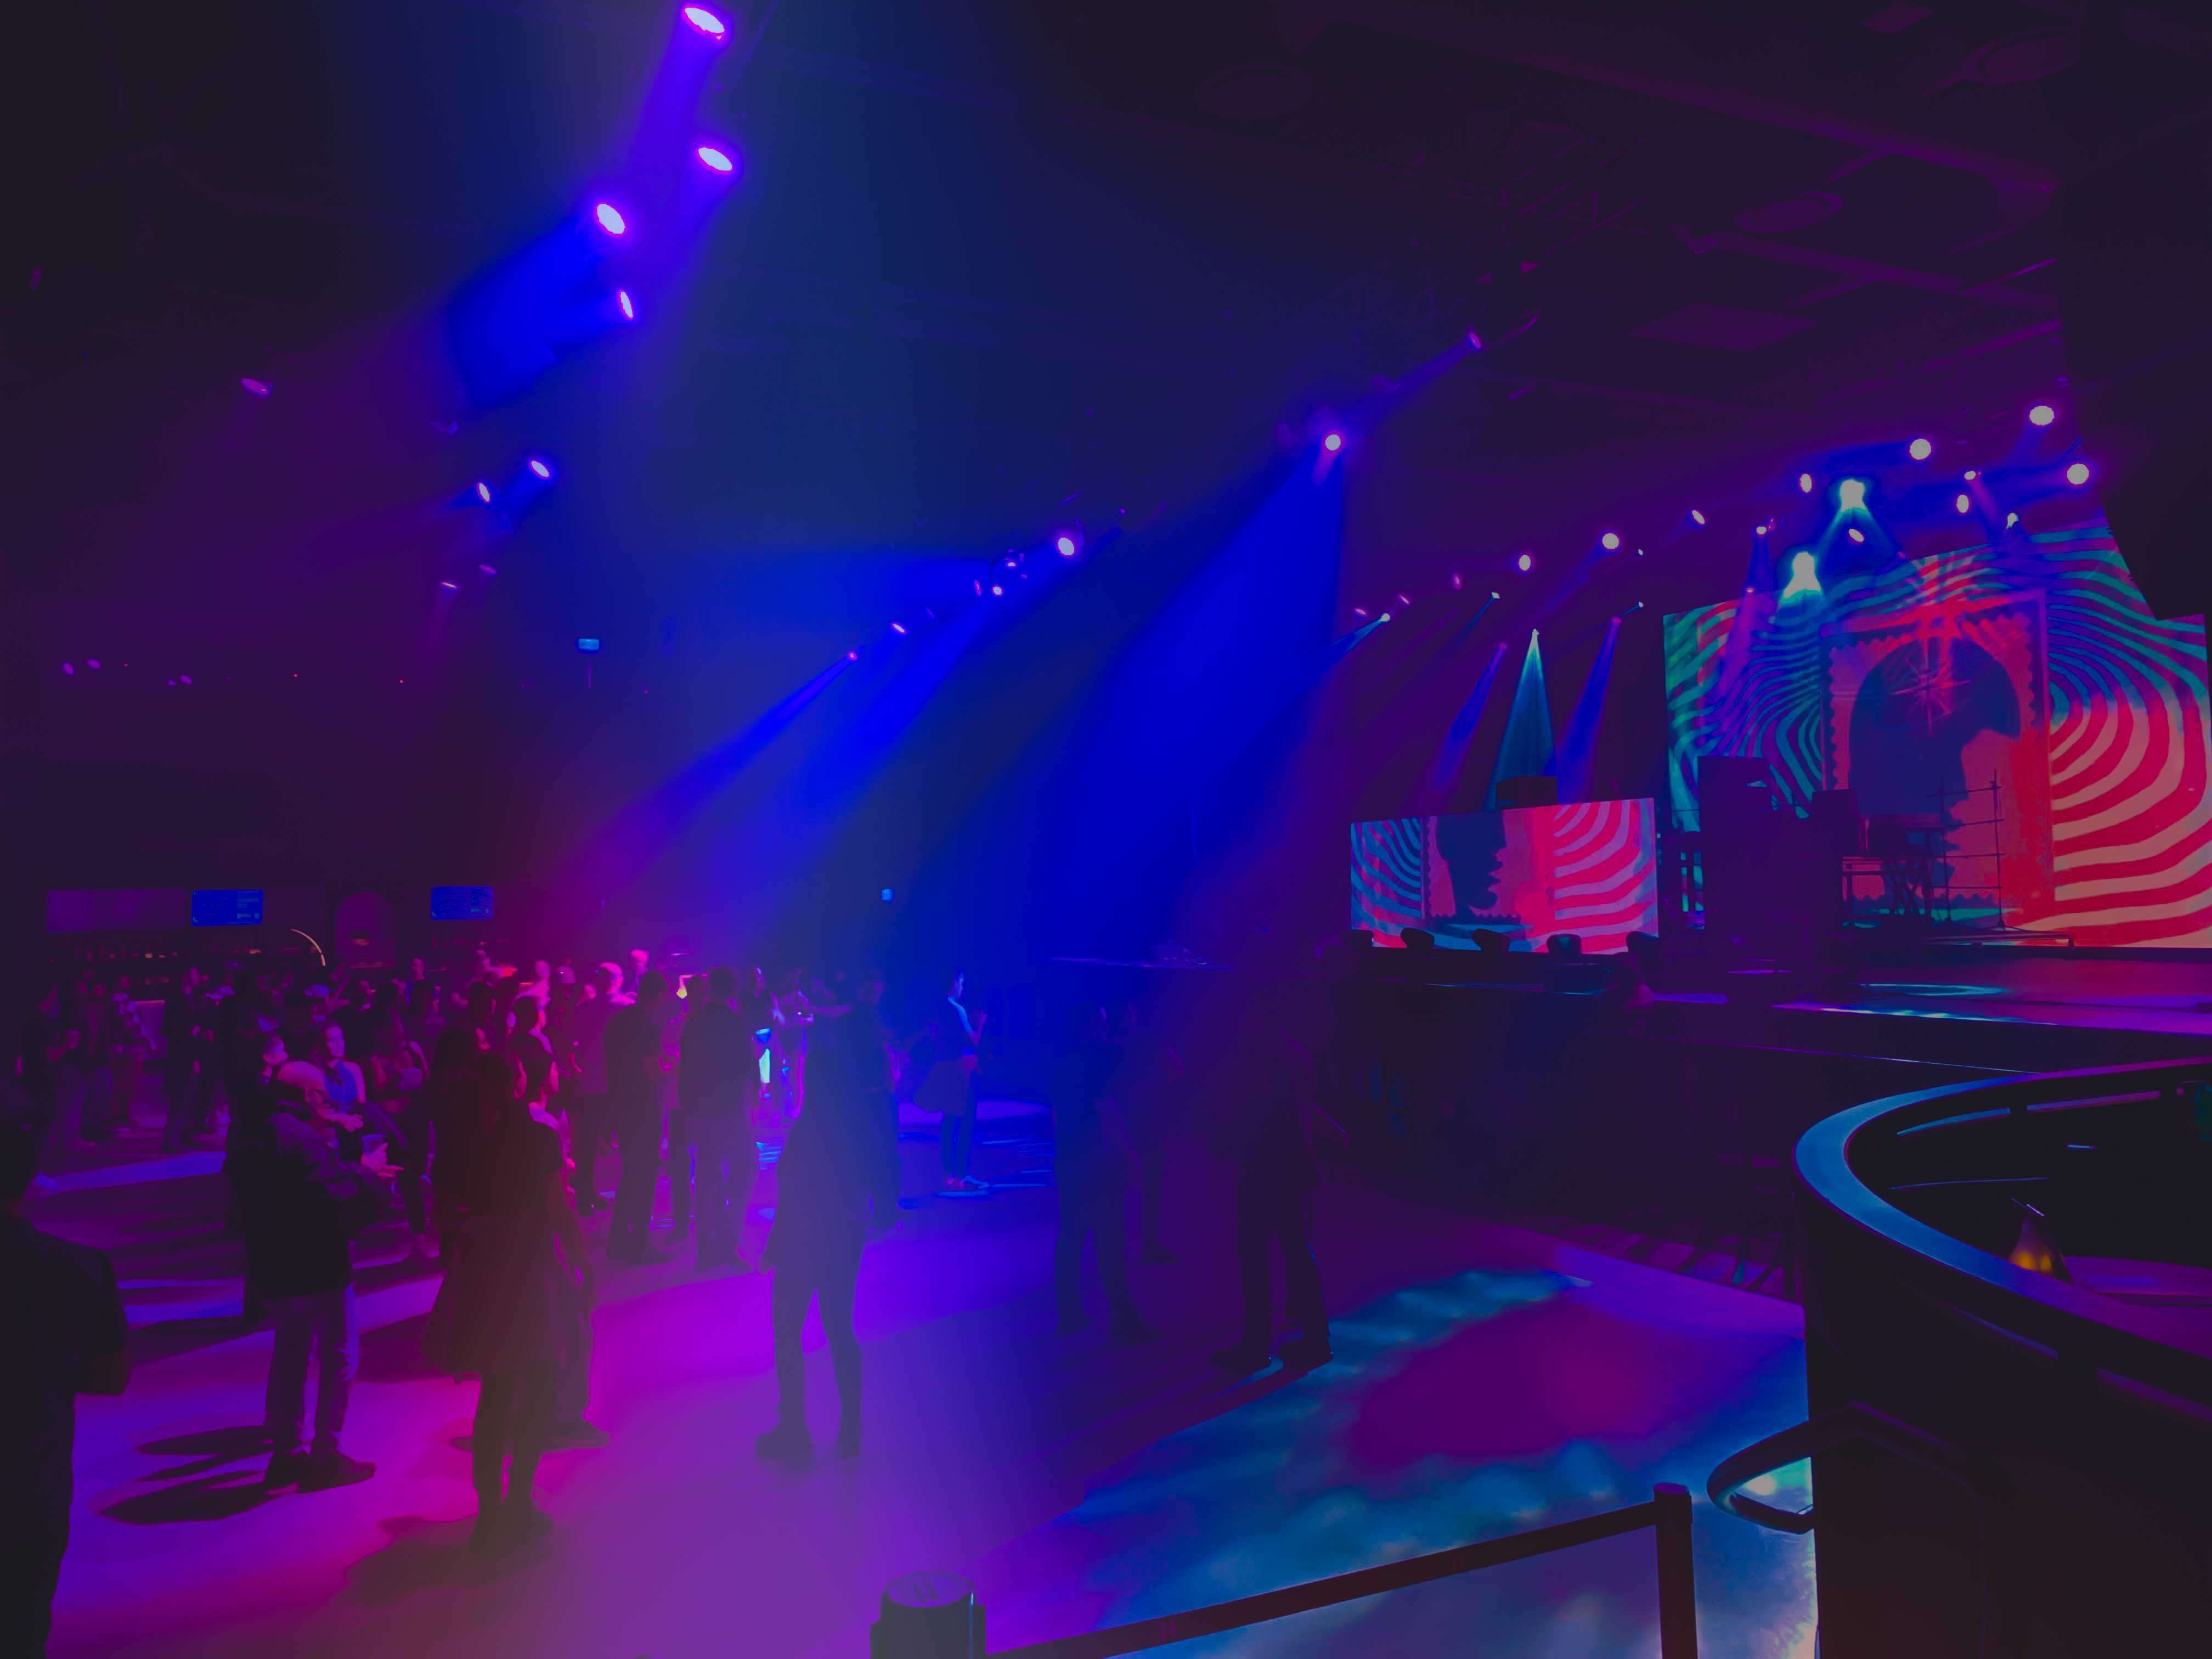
(995,265)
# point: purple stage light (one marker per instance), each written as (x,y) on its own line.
(2078,474)
(1065,546)
(2011,519)
(1402,599)
(1333,442)
(487,570)
(1697,517)
(715,159)
(997,592)
(1493,592)
(1385,618)
(1456,583)
(623,304)
(258,388)
(1920,449)
(451,585)
(1804,483)
(2042,414)
(1609,542)
(1357,612)
(852,656)
(184,679)
(93,663)
(1970,475)
(69,668)
(483,492)
(540,468)
(707,23)
(610,219)
(1762,530)
(1526,561)
(898,628)
(1856,535)
(1964,503)
(1851,493)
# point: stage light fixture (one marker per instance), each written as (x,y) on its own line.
(1385,618)
(1402,599)
(483,492)
(540,467)
(610,219)
(1762,529)
(1456,582)
(715,159)
(1696,517)
(1804,483)
(1065,546)
(69,668)
(451,585)
(1357,612)
(258,388)
(93,663)
(1493,592)
(1851,493)
(623,304)
(1920,449)
(1804,575)
(2011,519)
(997,592)
(1964,503)
(707,23)
(2042,414)
(1333,442)
(898,628)
(1856,535)
(852,656)
(1609,542)
(1972,475)
(2078,474)
(1524,562)
(487,570)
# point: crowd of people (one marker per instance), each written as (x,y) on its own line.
(481,1108)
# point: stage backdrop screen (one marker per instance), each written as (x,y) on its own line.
(1589,869)
(2033,666)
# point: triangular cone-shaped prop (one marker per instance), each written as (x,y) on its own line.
(2037,1248)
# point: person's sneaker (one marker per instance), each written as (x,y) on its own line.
(1239,1358)
(848,1438)
(1307,1354)
(786,1442)
(284,1469)
(321,1474)
(574,1432)
(490,1529)
(521,1522)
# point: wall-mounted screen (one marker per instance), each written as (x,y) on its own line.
(460,904)
(226,907)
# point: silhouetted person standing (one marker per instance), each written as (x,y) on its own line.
(1268,1134)
(718,1085)
(1145,1073)
(63,1333)
(838,1177)
(631,1063)
(1094,1164)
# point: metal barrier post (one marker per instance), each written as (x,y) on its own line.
(928,1615)
(1678,1576)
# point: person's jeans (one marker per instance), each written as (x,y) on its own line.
(31,1544)
(637,1137)
(513,1409)
(679,1169)
(1099,1210)
(572,1385)
(587,1128)
(828,1280)
(956,1141)
(729,1164)
(328,1323)
(1285,1218)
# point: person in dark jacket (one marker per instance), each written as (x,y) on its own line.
(718,1085)
(1094,1162)
(838,1178)
(313,1201)
(1268,1134)
(63,1333)
(631,1042)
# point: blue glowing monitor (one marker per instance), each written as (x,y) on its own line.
(226,907)
(460,904)
(587,644)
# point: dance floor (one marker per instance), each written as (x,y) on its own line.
(1487,1380)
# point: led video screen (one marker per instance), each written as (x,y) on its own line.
(460,903)
(2032,666)
(1591,869)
